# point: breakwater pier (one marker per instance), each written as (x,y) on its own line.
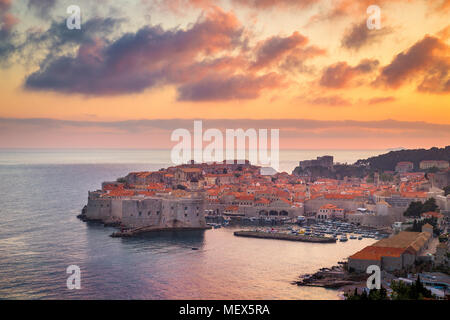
(283,236)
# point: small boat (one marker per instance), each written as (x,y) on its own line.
(343,239)
(352,237)
(360,238)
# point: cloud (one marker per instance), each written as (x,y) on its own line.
(426,62)
(359,36)
(7,22)
(333,101)
(378,100)
(58,38)
(340,75)
(208,61)
(285,50)
(136,61)
(42,7)
(229,88)
(264,4)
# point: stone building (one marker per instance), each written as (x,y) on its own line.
(141,211)
(395,253)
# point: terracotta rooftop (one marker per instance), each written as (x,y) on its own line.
(375,253)
(404,240)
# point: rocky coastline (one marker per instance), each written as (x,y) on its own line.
(335,277)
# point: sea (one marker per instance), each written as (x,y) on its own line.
(43,190)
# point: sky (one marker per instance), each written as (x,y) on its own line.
(139,69)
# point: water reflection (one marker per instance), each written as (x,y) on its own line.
(165,241)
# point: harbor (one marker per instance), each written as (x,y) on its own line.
(319,232)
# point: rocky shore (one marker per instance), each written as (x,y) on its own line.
(83,218)
(333,278)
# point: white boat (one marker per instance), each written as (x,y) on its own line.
(343,239)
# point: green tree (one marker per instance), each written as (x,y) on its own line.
(447,190)
(414,291)
(414,209)
(386,177)
(429,205)
(374,294)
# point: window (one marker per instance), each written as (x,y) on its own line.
(140,213)
(149,213)
(185,208)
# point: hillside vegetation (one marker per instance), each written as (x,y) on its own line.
(388,160)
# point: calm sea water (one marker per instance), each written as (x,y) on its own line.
(42,191)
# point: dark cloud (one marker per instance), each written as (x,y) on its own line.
(291,50)
(57,37)
(228,88)
(198,60)
(137,61)
(426,62)
(359,36)
(340,75)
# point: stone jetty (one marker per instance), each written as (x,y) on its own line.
(125,233)
(282,236)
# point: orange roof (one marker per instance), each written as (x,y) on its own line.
(414,194)
(376,253)
(120,193)
(245,197)
(433,214)
(263,200)
(339,196)
(328,206)
(191,169)
(146,193)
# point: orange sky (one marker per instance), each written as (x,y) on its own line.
(311,60)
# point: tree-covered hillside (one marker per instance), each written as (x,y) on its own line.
(388,160)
